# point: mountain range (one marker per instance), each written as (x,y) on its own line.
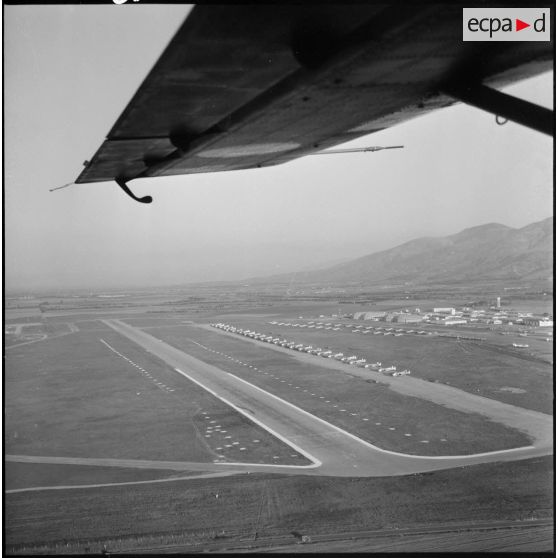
(486,252)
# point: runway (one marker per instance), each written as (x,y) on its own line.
(333,450)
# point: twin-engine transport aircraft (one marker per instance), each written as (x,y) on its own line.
(250,86)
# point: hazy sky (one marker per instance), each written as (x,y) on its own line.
(71,70)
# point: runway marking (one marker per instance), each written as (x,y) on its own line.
(160,385)
(315,461)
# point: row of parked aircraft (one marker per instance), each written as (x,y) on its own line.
(375,330)
(318,351)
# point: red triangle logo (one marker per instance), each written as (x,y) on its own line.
(519,25)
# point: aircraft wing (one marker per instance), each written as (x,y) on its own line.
(250,86)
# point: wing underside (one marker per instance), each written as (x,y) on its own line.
(243,87)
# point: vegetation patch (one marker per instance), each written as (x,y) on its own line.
(199,510)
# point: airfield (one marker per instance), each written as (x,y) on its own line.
(147,396)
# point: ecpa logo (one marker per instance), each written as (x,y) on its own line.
(506,24)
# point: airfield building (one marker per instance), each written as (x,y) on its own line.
(454,321)
(538,322)
(368,315)
(408,318)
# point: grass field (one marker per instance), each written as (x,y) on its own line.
(23,333)
(188,511)
(540,344)
(17,315)
(12,339)
(154,321)
(92,325)
(74,396)
(26,475)
(372,411)
(469,366)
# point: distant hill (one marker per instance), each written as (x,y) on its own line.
(487,252)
